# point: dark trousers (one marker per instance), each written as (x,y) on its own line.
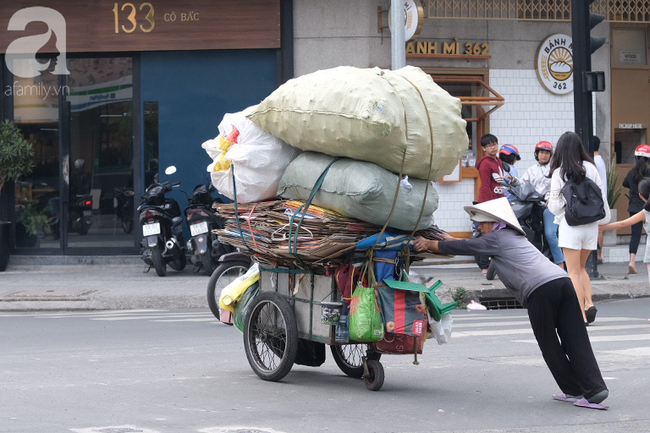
(561,334)
(635,235)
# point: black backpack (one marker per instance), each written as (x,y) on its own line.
(584,202)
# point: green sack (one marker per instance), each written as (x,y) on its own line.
(243,305)
(366,324)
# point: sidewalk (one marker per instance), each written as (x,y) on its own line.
(119,282)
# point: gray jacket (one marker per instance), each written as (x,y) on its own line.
(520,266)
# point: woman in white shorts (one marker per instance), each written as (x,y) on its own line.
(577,242)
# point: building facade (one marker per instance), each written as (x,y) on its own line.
(146,83)
(110,93)
(486,53)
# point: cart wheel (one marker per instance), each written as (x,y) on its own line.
(271,336)
(375,378)
(349,358)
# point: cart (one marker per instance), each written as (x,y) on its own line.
(288,308)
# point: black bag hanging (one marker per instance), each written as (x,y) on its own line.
(584,202)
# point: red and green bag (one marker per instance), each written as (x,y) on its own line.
(404,311)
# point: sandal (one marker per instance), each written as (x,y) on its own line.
(591,313)
(584,403)
(566,397)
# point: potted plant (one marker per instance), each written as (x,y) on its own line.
(613,193)
(29,220)
(16,159)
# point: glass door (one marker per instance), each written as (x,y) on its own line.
(99,208)
(37,196)
(79,199)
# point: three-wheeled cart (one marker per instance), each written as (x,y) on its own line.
(288,308)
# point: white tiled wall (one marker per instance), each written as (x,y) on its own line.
(530,114)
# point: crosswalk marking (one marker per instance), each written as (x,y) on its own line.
(153,315)
(150,317)
(517,326)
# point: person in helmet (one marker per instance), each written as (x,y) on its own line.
(537,176)
(509,154)
(634,176)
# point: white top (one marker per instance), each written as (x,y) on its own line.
(602,171)
(536,176)
(556,201)
(646,226)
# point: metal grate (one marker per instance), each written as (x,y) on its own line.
(632,11)
(500,303)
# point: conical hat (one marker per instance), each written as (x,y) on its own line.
(499,209)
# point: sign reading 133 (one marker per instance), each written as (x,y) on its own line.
(130,11)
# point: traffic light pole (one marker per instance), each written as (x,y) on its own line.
(581,63)
(582,99)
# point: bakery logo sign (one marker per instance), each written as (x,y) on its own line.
(554,64)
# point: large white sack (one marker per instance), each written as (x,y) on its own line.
(361,190)
(258,158)
(372,115)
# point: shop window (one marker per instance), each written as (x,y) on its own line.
(478,101)
(629,48)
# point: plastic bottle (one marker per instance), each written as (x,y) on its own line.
(342,332)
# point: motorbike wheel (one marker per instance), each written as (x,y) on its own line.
(220,278)
(207,263)
(83,227)
(127,225)
(492,272)
(158,261)
(179,261)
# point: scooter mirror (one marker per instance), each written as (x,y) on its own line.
(170,170)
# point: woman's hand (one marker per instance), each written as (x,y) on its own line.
(422,244)
(446,236)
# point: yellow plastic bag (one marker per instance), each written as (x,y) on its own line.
(221,163)
(233,291)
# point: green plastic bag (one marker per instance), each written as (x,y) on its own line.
(366,324)
(243,305)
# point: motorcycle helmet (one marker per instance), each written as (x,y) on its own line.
(543,145)
(642,150)
(509,149)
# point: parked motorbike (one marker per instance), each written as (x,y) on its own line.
(123,204)
(80,215)
(162,228)
(204,246)
(231,266)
